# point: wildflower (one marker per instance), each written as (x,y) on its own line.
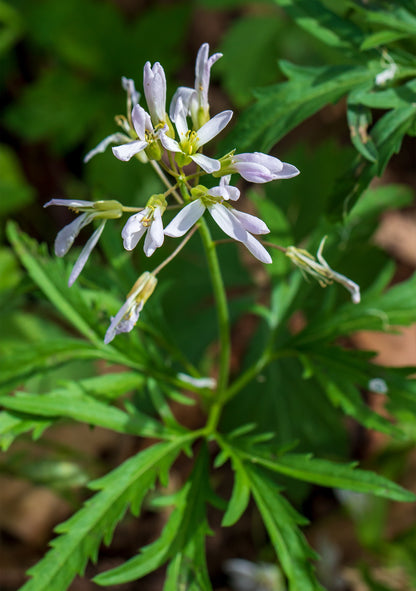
(196,99)
(103,210)
(147,138)
(191,141)
(319,268)
(210,383)
(154,83)
(236,224)
(148,221)
(133,98)
(126,318)
(257,167)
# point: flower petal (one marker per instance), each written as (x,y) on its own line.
(141,121)
(133,230)
(169,143)
(228,222)
(257,249)
(180,119)
(213,127)
(185,94)
(129,87)
(185,219)
(127,151)
(65,238)
(251,223)
(155,236)
(72,203)
(125,319)
(154,83)
(114,138)
(85,253)
(206,163)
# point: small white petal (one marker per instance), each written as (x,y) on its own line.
(127,151)
(155,236)
(154,83)
(251,223)
(141,121)
(85,253)
(228,222)
(121,324)
(169,143)
(257,249)
(72,203)
(185,219)
(114,138)
(129,87)
(206,163)
(65,238)
(185,94)
(133,230)
(213,127)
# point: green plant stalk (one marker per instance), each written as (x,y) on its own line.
(222,315)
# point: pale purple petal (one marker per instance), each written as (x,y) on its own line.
(72,203)
(154,237)
(288,171)
(180,119)
(185,94)
(129,87)
(252,172)
(154,83)
(169,143)
(185,219)
(127,151)
(257,167)
(206,163)
(203,67)
(213,127)
(114,138)
(251,223)
(257,249)
(65,238)
(141,121)
(121,324)
(228,222)
(224,190)
(133,230)
(85,253)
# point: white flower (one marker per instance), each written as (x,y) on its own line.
(149,222)
(126,318)
(133,98)
(257,167)
(147,137)
(154,83)
(191,141)
(196,99)
(90,210)
(319,268)
(236,224)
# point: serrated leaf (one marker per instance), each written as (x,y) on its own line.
(84,409)
(182,540)
(81,535)
(282,107)
(14,424)
(327,473)
(324,24)
(281,522)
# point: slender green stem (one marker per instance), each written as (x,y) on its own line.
(222,316)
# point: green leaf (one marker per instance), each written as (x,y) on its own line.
(68,403)
(15,191)
(12,425)
(331,474)
(325,25)
(182,540)
(240,495)
(359,119)
(11,28)
(81,535)
(282,107)
(281,522)
(380,38)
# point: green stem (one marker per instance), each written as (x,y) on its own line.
(222,317)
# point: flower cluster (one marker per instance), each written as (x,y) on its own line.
(172,144)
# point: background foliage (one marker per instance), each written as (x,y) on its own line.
(316,93)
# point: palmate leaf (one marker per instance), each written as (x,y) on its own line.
(82,534)
(182,540)
(281,107)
